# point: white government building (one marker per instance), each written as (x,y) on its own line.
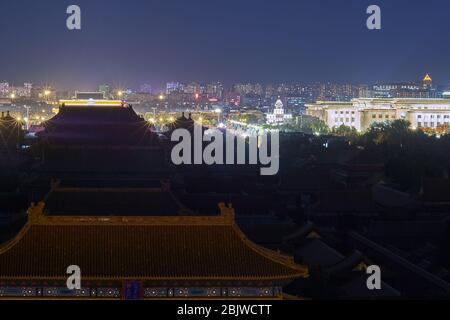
(362,112)
(278,116)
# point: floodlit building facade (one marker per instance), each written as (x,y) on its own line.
(278,116)
(362,113)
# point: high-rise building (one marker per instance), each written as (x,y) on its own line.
(427,82)
(27,89)
(214,90)
(106,90)
(4,89)
(174,86)
(145,88)
(192,88)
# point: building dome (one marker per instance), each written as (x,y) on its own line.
(279,104)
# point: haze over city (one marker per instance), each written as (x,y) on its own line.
(135,42)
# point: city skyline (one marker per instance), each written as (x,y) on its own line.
(162,87)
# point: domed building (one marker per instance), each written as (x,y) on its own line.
(278,116)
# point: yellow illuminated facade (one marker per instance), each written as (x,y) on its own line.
(427,78)
(91,102)
(363,112)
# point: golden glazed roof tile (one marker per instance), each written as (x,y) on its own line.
(146,248)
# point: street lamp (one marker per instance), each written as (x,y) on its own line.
(47,94)
(27,118)
(218,111)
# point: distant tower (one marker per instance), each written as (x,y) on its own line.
(427,82)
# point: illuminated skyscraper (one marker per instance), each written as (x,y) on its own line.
(145,88)
(174,86)
(427,82)
(215,90)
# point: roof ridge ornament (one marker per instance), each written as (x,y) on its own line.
(227,211)
(36,212)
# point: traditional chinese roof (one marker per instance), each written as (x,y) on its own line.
(436,190)
(181,249)
(67,199)
(100,139)
(184,122)
(10,131)
(97,126)
(346,201)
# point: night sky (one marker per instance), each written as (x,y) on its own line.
(130,42)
